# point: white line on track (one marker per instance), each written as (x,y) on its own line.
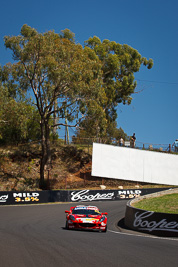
(153,237)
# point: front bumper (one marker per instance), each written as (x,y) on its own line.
(84,225)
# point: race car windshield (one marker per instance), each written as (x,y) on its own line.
(85,212)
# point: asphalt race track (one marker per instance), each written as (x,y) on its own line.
(35,236)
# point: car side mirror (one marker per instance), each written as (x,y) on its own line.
(104,213)
(66,211)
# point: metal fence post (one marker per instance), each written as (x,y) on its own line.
(169,148)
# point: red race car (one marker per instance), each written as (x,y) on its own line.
(86,217)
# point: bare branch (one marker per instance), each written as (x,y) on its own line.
(68,125)
(138,91)
(2,121)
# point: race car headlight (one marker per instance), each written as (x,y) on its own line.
(102,218)
(72,218)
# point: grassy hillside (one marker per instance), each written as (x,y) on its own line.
(165,203)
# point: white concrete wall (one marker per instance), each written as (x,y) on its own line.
(133,164)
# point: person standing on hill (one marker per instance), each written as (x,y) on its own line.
(121,141)
(133,139)
(176,145)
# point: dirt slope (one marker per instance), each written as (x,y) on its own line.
(71,169)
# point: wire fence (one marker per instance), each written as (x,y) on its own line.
(87,143)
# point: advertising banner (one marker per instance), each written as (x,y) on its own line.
(102,195)
(33,197)
(134,164)
(15,198)
(86,195)
(150,222)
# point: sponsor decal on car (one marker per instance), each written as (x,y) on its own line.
(85,208)
(87,220)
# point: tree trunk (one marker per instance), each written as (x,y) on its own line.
(66,129)
(45,162)
(54,121)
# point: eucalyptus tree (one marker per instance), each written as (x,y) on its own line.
(63,77)
(119,64)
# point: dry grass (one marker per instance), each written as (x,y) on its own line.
(165,203)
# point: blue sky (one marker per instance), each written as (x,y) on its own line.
(151,27)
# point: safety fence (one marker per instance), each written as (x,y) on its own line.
(87,143)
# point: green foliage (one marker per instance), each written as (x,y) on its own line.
(18,119)
(87,134)
(119,63)
(54,67)
(67,34)
(18,122)
(117,133)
